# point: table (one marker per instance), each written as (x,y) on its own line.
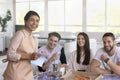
(48,76)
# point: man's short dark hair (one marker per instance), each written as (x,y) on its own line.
(109,34)
(54,34)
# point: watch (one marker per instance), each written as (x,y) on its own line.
(106,60)
(111,72)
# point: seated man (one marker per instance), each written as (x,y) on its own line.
(107,59)
(52,50)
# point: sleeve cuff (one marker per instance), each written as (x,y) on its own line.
(18,57)
(14,57)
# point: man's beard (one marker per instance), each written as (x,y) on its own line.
(108,51)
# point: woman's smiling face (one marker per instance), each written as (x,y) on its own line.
(81,40)
(32,23)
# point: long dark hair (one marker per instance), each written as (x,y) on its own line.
(86,48)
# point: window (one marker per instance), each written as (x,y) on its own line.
(56,15)
(73,15)
(23,6)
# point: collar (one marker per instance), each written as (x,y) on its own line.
(27,33)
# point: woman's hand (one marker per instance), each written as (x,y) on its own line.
(44,53)
(35,56)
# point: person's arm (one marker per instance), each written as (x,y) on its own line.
(14,44)
(95,67)
(13,55)
(47,64)
(30,56)
(63,57)
(115,68)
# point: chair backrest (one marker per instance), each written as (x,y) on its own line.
(96,35)
(65,37)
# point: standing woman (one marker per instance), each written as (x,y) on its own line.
(22,49)
(80,58)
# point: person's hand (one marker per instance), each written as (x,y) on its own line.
(103,57)
(35,56)
(63,65)
(44,53)
(54,57)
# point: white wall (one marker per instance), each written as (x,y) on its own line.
(4,6)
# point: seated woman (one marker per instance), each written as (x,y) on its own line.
(80,59)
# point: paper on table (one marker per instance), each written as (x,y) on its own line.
(39,61)
(110,77)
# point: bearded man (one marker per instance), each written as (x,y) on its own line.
(107,59)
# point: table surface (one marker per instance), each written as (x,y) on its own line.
(48,76)
(45,76)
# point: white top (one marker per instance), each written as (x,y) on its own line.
(73,65)
(115,58)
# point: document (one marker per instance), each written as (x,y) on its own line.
(39,61)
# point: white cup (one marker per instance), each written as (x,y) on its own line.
(62,70)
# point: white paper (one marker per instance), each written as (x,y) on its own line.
(39,61)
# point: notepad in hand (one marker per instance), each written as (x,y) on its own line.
(39,61)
